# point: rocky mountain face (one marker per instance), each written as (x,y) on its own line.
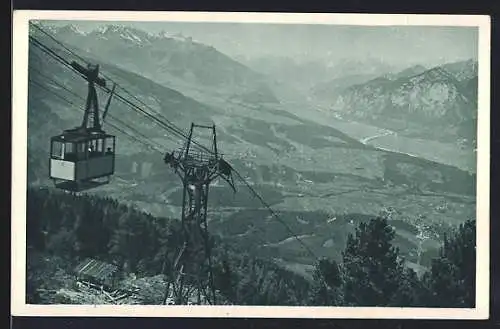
(442,96)
(357,73)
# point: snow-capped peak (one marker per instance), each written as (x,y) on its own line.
(130,36)
(174,36)
(46,27)
(74,29)
(111,28)
(101,29)
(124,32)
(60,29)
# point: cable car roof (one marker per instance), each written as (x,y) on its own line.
(80,136)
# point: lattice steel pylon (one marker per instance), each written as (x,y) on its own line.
(192,268)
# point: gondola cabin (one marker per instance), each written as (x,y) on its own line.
(81,160)
(84,157)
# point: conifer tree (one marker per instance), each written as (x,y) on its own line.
(372,268)
(451,279)
(327,281)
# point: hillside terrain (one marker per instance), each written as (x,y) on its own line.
(64,229)
(322,177)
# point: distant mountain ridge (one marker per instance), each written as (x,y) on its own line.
(408,72)
(172,60)
(435,91)
(442,96)
(306,74)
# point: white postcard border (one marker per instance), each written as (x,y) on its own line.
(19,169)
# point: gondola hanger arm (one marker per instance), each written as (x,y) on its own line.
(106,108)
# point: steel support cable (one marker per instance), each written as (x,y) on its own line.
(179,132)
(112,125)
(82,98)
(66,63)
(53,54)
(154,112)
(158,118)
(41,86)
(176,130)
(147,114)
(169,137)
(76,106)
(273,213)
(108,78)
(170,126)
(59,42)
(121,98)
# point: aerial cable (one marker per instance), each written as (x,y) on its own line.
(172,127)
(274,214)
(87,62)
(59,43)
(41,86)
(119,97)
(52,54)
(82,98)
(154,112)
(177,132)
(160,151)
(80,108)
(157,117)
(169,126)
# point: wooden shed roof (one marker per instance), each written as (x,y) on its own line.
(95,269)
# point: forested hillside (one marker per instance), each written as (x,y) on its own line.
(63,229)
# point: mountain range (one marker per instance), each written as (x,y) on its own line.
(169,59)
(430,102)
(440,101)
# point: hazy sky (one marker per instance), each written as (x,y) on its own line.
(394,44)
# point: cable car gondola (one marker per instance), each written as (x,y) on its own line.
(84,157)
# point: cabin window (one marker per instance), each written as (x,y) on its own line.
(57,150)
(69,152)
(109,144)
(99,145)
(92,148)
(81,150)
(95,147)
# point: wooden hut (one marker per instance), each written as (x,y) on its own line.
(97,273)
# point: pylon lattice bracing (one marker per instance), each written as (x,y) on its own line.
(192,276)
